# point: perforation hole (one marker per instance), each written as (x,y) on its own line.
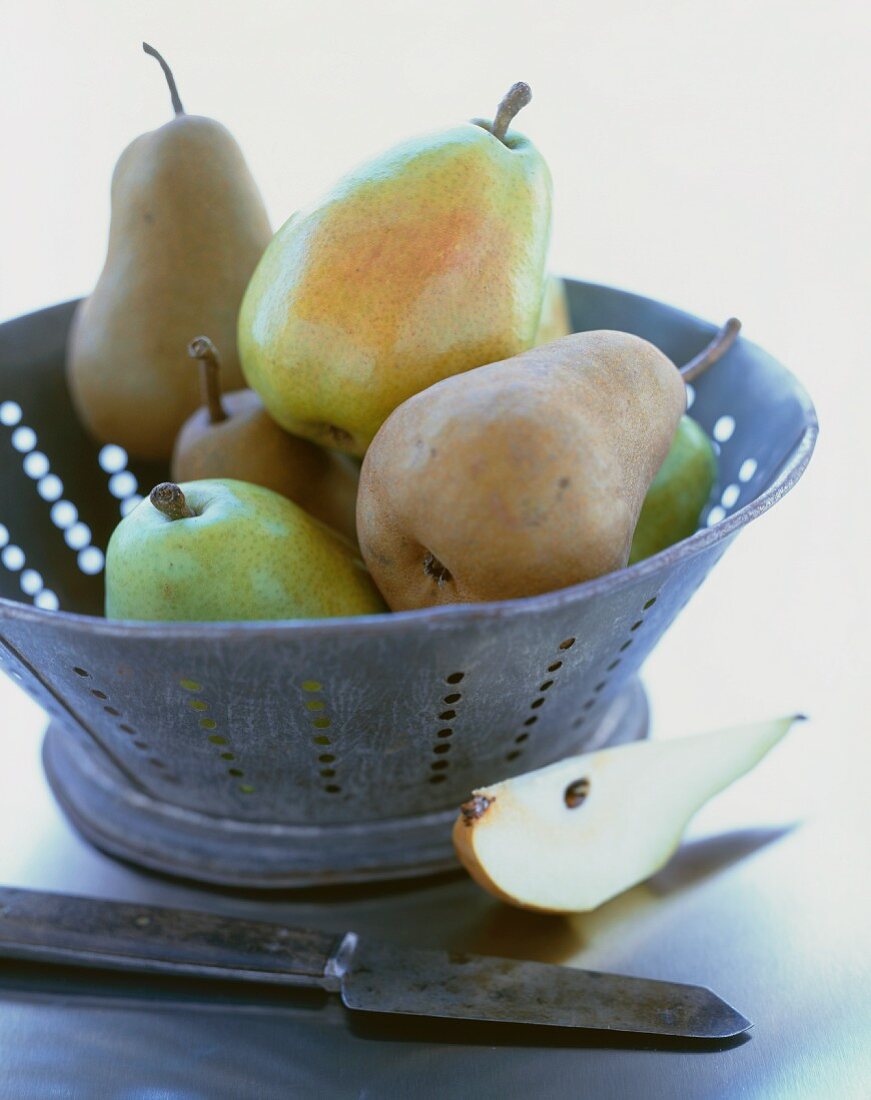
(31,582)
(747,470)
(440,778)
(637,625)
(98,694)
(112,458)
(454,678)
(454,697)
(122,484)
(536,703)
(90,560)
(513,755)
(77,536)
(23,439)
(716,514)
(36,465)
(80,671)
(567,644)
(556,665)
(47,600)
(613,665)
(520,738)
(447,715)
(546,685)
(730,495)
(50,487)
(445,733)
(111,710)
(724,428)
(10,413)
(441,749)
(649,603)
(13,558)
(64,514)
(531,721)
(626,645)
(438,765)
(332,788)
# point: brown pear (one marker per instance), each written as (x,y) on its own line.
(519,477)
(233,436)
(188,227)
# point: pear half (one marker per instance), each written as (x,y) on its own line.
(568,837)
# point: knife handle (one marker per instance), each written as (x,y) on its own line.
(91,932)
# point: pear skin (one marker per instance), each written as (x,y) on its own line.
(519,477)
(425,262)
(568,837)
(233,436)
(555,319)
(220,550)
(187,228)
(677,494)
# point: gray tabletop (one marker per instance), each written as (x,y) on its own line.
(762,903)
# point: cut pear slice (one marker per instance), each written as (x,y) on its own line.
(568,837)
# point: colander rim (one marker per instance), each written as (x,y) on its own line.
(450,615)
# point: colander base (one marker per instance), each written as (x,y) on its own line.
(130,825)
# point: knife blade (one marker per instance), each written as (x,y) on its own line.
(369,975)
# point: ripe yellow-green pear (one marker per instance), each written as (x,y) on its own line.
(188,226)
(519,477)
(425,262)
(555,320)
(568,837)
(221,550)
(233,436)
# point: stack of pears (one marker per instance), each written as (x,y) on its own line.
(407,320)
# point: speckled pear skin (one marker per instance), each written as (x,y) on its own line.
(677,494)
(250,446)
(188,226)
(423,263)
(555,321)
(247,553)
(520,477)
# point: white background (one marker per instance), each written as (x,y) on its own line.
(713,155)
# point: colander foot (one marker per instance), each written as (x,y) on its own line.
(125,822)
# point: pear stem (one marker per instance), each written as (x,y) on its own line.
(170,79)
(514,100)
(202,348)
(715,350)
(169,499)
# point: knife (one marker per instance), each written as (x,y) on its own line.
(370,976)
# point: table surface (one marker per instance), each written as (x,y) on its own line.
(760,903)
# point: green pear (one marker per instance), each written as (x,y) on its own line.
(677,494)
(188,226)
(425,262)
(222,549)
(568,837)
(555,319)
(518,477)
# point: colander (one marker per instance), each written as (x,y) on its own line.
(296,753)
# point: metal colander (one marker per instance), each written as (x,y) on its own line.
(289,753)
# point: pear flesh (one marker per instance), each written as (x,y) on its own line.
(423,263)
(568,837)
(519,477)
(187,228)
(243,552)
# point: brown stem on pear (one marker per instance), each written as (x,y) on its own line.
(514,100)
(202,348)
(475,808)
(169,499)
(170,79)
(717,348)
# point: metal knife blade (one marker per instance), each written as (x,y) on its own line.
(369,975)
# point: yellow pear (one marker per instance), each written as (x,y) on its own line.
(423,263)
(568,837)
(555,320)
(188,226)
(518,477)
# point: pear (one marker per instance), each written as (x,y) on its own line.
(188,226)
(568,837)
(555,319)
(233,436)
(677,494)
(425,262)
(518,477)
(222,549)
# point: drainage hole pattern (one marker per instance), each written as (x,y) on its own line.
(597,694)
(549,678)
(449,707)
(64,514)
(101,699)
(199,707)
(323,740)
